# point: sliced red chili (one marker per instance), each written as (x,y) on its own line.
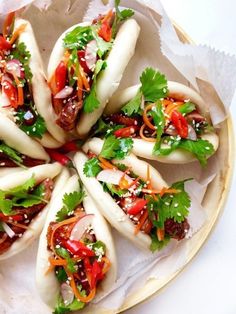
(82,61)
(105,31)
(14,217)
(126,132)
(61,158)
(60,76)
(4,44)
(180,123)
(78,248)
(72,146)
(96,273)
(136,206)
(11,91)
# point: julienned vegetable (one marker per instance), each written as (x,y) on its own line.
(139,204)
(16,78)
(23,207)
(75,252)
(83,69)
(166,121)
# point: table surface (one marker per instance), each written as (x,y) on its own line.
(207,286)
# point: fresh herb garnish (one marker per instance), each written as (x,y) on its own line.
(11,153)
(157,245)
(92,168)
(154,85)
(76,305)
(70,201)
(116,148)
(186,108)
(134,105)
(22,195)
(158,116)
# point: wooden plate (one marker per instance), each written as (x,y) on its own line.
(213,203)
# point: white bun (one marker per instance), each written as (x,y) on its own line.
(47,284)
(17,139)
(36,224)
(143,148)
(41,90)
(122,51)
(107,206)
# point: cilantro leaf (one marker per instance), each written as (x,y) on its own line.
(126,145)
(70,201)
(78,38)
(133,106)
(23,55)
(91,102)
(186,108)
(154,85)
(61,308)
(5,205)
(66,255)
(29,184)
(11,153)
(200,148)
(103,46)
(35,130)
(157,245)
(91,167)
(173,206)
(110,147)
(116,147)
(124,14)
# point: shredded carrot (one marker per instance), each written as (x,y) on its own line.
(57,262)
(77,294)
(79,86)
(149,182)
(58,225)
(107,264)
(141,133)
(168,191)
(124,184)
(106,163)
(84,79)
(160,234)
(166,102)
(141,222)
(17,33)
(134,182)
(66,57)
(170,108)
(146,119)
(7,24)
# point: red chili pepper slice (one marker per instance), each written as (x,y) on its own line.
(11,91)
(126,132)
(61,158)
(96,273)
(120,119)
(137,206)
(60,76)
(78,248)
(14,217)
(180,123)
(105,31)
(4,44)
(82,61)
(72,146)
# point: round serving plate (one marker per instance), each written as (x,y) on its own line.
(213,203)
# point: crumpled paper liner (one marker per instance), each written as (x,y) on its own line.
(198,66)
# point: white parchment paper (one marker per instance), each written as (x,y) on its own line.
(210,72)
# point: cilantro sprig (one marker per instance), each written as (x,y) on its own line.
(70,202)
(175,206)
(11,153)
(23,196)
(114,147)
